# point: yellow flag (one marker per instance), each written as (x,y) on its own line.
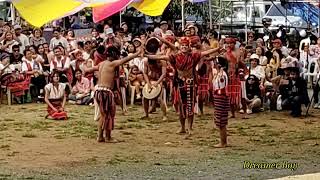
(39,12)
(151,7)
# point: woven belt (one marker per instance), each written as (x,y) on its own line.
(102,88)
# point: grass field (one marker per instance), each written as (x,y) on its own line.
(32,147)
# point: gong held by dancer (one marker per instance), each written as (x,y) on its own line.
(184,63)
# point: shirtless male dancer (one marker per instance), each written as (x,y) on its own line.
(154,74)
(104,95)
(184,62)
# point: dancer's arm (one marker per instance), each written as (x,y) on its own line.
(158,57)
(210,51)
(171,45)
(126,59)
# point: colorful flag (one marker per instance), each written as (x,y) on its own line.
(103,11)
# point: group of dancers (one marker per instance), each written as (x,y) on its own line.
(184,59)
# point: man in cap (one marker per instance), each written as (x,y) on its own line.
(184,62)
(294,94)
(111,40)
(256,69)
(277,44)
(24,40)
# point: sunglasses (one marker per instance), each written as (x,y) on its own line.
(15,50)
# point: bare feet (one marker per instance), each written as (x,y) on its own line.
(181,131)
(220,145)
(125,113)
(152,110)
(164,118)
(145,118)
(112,140)
(189,134)
(101,139)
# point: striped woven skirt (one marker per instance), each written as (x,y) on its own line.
(105,100)
(221,110)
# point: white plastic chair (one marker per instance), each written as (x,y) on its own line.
(307,75)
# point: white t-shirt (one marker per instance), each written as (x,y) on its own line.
(258,72)
(33,65)
(55,93)
(59,64)
(138,62)
(9,49)
(8,70)
(55,42)
(24,40)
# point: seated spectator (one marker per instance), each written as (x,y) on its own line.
(35,55)
(294,93)
(23,39)
(136,80)
(253,99)
(274,64)
(55,97)
(37,38)
(16,56)
(58,39)
(80,93)
(8,42)
(256,69)
(5,66)
(41,52)
(61,63)
(72,43)
(138,61)
(34,72)
(263,61)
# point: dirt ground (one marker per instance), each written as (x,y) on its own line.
(32,147)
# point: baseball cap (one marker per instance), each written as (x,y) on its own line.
(254,56)
(17,27)
(109,31)
(163,22)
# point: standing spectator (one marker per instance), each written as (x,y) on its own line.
(24,40)
(58,39)
(127,34)
(251,42)
(315,49)
(37,38)
(213,39)
(305,57)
